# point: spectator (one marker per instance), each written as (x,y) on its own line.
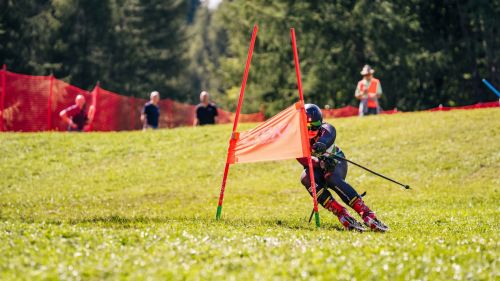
(77,116)
(368,92)
(206,112)
(151,112)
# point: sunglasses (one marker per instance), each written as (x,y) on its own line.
(313,126)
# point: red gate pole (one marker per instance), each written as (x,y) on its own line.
(49,108)
(2,97)
(308,149)
(232,141)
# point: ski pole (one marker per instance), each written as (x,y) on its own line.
(371,171)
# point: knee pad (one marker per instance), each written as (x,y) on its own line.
(305,181)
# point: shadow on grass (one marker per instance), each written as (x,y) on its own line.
(296,224)
(117,221)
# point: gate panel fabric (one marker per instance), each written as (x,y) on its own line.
(278,138)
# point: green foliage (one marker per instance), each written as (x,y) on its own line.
(426,53)
(131,46)
(141,205)
(207,43)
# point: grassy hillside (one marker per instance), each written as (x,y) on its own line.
(138,205)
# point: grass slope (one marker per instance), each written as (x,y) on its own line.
(137,205)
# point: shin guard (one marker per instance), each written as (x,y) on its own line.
(343,215)
(334,207)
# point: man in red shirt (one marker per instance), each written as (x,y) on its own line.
(77,115)
(368,91)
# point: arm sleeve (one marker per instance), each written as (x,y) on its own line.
(216,111)
(197,112)
(357,93)
(303,161)
(71,111)
(328,135)
(379,88)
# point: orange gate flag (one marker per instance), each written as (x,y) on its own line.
(281,137)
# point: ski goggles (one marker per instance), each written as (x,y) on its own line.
(313,126)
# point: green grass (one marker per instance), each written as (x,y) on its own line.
(137,205)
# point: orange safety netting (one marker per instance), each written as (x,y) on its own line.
(472,106)
(32,103)
(349,111)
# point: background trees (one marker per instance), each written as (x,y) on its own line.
(425,53)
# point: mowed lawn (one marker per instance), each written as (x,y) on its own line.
(141,205)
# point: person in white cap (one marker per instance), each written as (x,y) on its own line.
(151,112)
(368,91)
(206,112)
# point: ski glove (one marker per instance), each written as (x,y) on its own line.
(319,148)
(327,163)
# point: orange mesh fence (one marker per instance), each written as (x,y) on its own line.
(136,106)
(346,111)
(177,114)
(227,117)
(27,109)
(390,111)
(33,103)
(349,111)
(114,112)
(472,106)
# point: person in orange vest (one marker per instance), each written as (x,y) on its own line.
(368,91)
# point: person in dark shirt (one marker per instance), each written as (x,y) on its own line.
(206,112)
(331,173)
(77,116)
(151,112)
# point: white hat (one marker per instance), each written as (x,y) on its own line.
(367,70)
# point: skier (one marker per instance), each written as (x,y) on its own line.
(331,173)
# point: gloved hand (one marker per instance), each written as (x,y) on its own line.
(319,148)
(327,163)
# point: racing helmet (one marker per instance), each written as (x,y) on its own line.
(314,116)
